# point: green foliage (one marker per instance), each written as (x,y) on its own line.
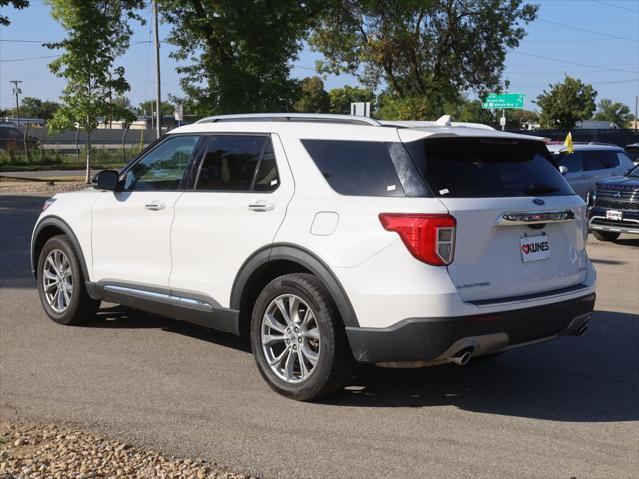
(31,107)
(393,107)
(18,4)
(40,159)
(148,106)
(566,103)
(313,98)
(97,32)
(517,118)
(235,54)
(426,51)
(470,111)
(341,98)
(615,112)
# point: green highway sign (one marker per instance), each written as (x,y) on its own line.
(505,100)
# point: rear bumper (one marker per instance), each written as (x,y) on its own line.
(437,339)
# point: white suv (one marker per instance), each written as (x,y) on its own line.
(330,240)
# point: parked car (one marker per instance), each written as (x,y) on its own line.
(329,240)
(613,206)
(632,151)
(12,137)
(589,163)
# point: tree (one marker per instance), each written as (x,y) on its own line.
(566,103)
(148,106)
(236,54)
(341,98)
(615,112)
(17,4)
(520,117)
(97,32)
(313,97)
(426,51)
(31,107)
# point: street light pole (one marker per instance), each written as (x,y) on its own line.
(17,91)
(158,96)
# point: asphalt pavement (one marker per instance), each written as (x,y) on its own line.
(562,409)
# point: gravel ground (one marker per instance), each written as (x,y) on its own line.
(52,187)
(28,451)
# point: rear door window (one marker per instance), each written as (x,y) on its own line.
(238,163)
(479,168)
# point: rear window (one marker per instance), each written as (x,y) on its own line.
(599,159)
(366,168)
(479,168)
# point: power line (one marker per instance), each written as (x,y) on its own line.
(28,58)
(572,27)
(616,6)
(573,63)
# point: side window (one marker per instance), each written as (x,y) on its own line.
(571,161)
(238,163)
(163,167)
(356,168)
(594,160)
(267,178)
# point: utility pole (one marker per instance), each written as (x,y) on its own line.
(158,96)
(17,91)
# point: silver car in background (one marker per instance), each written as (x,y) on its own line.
(589,163)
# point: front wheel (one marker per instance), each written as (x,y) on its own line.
(605,235)
(61,283)
(298,339)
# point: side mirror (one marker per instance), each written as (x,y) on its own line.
(563,169)
(106,180)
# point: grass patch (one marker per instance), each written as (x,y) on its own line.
(42,160)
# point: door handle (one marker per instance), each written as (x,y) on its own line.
(261,206)
(155,206)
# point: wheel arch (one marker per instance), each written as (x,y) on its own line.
(49,227)
(276,260)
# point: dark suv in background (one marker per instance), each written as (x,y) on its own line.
(613,206)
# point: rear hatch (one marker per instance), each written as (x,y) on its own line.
(520,227)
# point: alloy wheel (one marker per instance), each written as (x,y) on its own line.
(57,281)
(290,338)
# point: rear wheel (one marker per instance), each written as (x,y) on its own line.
(605,235)
(61,283)
(298,339)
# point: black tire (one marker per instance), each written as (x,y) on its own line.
(81,308)
(606,235)
(335,361)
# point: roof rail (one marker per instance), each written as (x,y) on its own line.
(305,117)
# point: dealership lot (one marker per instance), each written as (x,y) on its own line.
(561,409)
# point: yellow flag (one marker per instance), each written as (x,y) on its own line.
(568,143)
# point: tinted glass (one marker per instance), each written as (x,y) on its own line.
(476,168)
(267,178)
(599,160)
(163,167)
(230,163)
(356,168)
(571,161)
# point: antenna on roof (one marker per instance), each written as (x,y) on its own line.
(443,120)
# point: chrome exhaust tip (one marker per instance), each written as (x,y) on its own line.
(462,357)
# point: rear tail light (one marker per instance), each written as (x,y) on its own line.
(429,238)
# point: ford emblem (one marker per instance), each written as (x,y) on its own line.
(539,202)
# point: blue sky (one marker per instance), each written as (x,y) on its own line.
(596,41)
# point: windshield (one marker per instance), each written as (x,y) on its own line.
(634,173)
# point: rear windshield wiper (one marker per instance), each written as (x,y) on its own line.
(541,189)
